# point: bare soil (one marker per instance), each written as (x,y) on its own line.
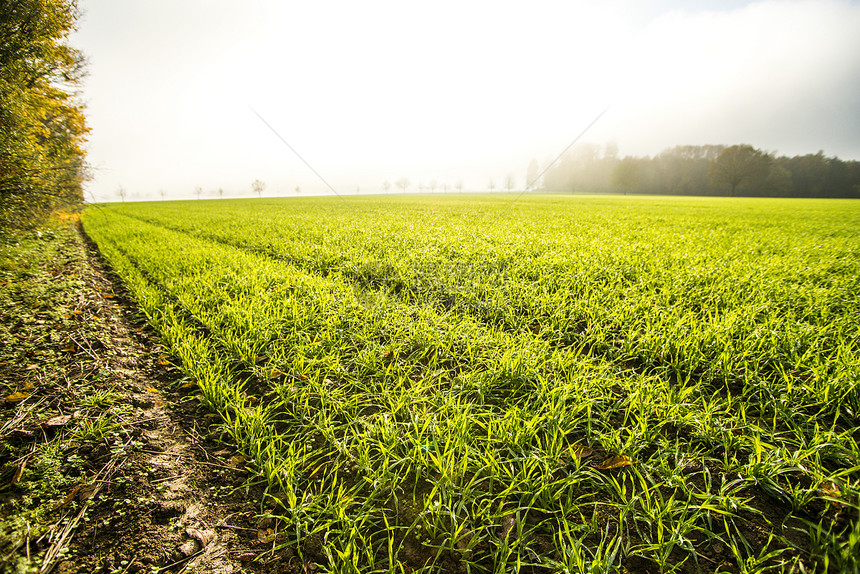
(108,463)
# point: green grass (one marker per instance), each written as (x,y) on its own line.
(554,384)
(56,407)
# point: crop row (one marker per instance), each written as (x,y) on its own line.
(716,314)
(419,394)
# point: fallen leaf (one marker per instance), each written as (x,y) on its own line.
(237,460)
(77,312)
(265,522)
(158,404)
(57,421)
(198,536)
(16,397)
(580,451)
(69,497)
(246,556)
(69,347)
(188,385)
(19,472)
(86,492)
(830,489)
(163,362)
(266,535)
(108,296)
(616,461)
(151,390)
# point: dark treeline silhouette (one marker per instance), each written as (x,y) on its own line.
(704,170)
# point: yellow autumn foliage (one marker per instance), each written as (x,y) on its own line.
(43,128)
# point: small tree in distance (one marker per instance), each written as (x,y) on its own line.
(459,186)
(220,193)
(403,184)
(258,186)
(532,174)
(122,193)
(298,190)
(198,191)
(492,185)
(162,193)
(509,182)
(386,185)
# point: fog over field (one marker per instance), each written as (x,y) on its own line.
(449,91)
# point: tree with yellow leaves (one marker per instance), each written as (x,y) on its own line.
(42,123)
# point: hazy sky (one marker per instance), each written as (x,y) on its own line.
(447,90)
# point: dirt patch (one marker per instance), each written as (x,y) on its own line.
(108,463)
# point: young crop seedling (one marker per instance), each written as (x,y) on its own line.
(558,384)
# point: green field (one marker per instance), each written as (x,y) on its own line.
(552,384)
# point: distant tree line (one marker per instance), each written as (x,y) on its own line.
(42,123)
(704,170)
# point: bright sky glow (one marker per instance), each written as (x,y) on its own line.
(449,90)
